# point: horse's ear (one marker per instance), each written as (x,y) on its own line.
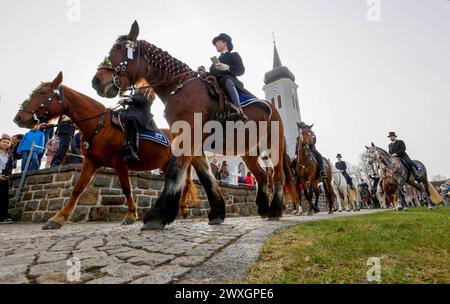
(367,148)
(57,81)
(134,31)
(299,125)
(311,126)
(373,145)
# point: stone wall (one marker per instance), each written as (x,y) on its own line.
(46,191)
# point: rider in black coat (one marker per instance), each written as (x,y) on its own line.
(228,69)
(136,116)
(317,156)
(398,148)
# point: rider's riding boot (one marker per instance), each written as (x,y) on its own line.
(132,148)
(234,95)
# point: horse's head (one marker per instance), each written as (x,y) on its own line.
(43,104)
(375,154)
(121,69)
(307,133)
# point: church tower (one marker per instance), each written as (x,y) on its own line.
(281,90)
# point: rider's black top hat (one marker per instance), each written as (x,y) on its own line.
(392,134)
(226,38)
(339,155)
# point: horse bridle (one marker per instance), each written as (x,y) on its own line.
(59,92)
(122,68)
(304,147)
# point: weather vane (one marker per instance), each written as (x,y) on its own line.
(273,36)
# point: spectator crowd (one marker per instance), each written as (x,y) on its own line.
(60,147)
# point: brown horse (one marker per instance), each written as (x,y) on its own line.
(186,96)
(389,185)
(307,171)
(102,143)
(365,198)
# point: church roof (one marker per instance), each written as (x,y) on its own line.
(279,71)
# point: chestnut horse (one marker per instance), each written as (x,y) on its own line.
(307,171)
(389,186)
(185,96)
(102,143)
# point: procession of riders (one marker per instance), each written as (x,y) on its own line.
(218,94)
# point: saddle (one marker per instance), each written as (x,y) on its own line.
(116,122)
(227,109)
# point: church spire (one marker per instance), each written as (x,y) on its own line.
(279,71)
(276,56)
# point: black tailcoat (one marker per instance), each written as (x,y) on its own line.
(237,68)
(139,109)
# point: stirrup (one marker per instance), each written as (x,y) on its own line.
(130,156)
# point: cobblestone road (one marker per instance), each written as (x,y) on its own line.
(188,251)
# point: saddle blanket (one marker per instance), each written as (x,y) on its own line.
(156,136)
(247,100)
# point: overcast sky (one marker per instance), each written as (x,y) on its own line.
(358,79)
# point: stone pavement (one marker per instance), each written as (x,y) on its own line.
(188,251)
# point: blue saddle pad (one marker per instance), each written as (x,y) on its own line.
(247,100)
(155,136)
(158,137)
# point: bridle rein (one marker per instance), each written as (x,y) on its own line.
(59,94)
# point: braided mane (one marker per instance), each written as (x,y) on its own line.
(162,66)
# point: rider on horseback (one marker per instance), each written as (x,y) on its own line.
(363,185)
(227,69)
(398,149)
(135,117)
(313,149)
(342,166)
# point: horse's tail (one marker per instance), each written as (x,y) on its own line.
(189,191)
(290,185)
(192,190)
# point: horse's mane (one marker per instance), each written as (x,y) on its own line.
(32,94)
(163,65)
(384,152)
(89,99)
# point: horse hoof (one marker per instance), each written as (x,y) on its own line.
(216,222)
(273,218)
(127,222)
(153,226)
(330,212)
(51,226)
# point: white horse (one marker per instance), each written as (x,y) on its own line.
(344,192)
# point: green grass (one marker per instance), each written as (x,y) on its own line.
(413,247)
